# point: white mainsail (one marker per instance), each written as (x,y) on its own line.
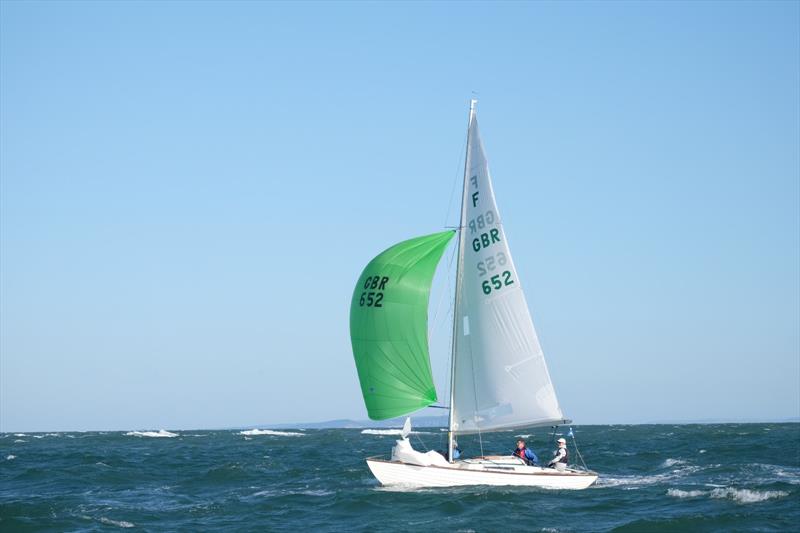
(500,378)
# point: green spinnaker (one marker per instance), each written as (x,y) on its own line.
(389,326)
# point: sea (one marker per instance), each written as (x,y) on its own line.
(653,478)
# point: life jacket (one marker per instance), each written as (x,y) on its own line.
(566,455)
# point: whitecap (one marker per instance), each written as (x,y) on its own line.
(319,492)
(20,435)
(786,474)
(702,451)
(389,432)
(672,462)
(401,487)
(271,432)
(382,432)
(19,440)
(523,436)
(10,457)
(747,495)
(159,433)
(118,523)
(677,493)
(634,482)
(630,481)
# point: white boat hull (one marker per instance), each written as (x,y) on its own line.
(477,472)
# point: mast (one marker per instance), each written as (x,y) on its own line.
(461,225)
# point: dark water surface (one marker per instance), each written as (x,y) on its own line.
(725,477)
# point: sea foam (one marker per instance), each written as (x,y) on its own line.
(747,495)
(632,482)
(159,433)
(678,493)
(390,432)
(251,432)
(118,523)
(730,493)
(382,432)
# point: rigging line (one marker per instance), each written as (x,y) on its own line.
(419,439)
(441,296)
(448,292)
(457,178)
(575,443)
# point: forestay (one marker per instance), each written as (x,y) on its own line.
(389,327)
(500,377)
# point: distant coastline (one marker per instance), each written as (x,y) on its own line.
(417,421)
(441,421)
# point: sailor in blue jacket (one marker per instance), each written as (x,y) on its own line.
(525,454)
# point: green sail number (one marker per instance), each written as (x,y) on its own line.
(389,326)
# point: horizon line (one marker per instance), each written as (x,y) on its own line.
(362,424)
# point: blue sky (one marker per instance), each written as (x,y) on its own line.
(188,192)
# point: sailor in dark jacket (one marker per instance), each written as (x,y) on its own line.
(560,456)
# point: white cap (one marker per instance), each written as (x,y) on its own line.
(562,440)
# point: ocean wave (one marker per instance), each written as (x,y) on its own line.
(747,495)
(159,433)
(10,457)
(20,440)
(317,492)
(730,493)
(390,432)
(672,462)
(381,431)
(402,487)
(251,432)
(284,492)
(118,523)
(634,481)
(678,493)
(20,435)
(786,474)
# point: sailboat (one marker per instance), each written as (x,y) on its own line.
(498,377)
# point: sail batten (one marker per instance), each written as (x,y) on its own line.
(500,378)
(389,327)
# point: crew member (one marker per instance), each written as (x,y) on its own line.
(560,456)
(525,454)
